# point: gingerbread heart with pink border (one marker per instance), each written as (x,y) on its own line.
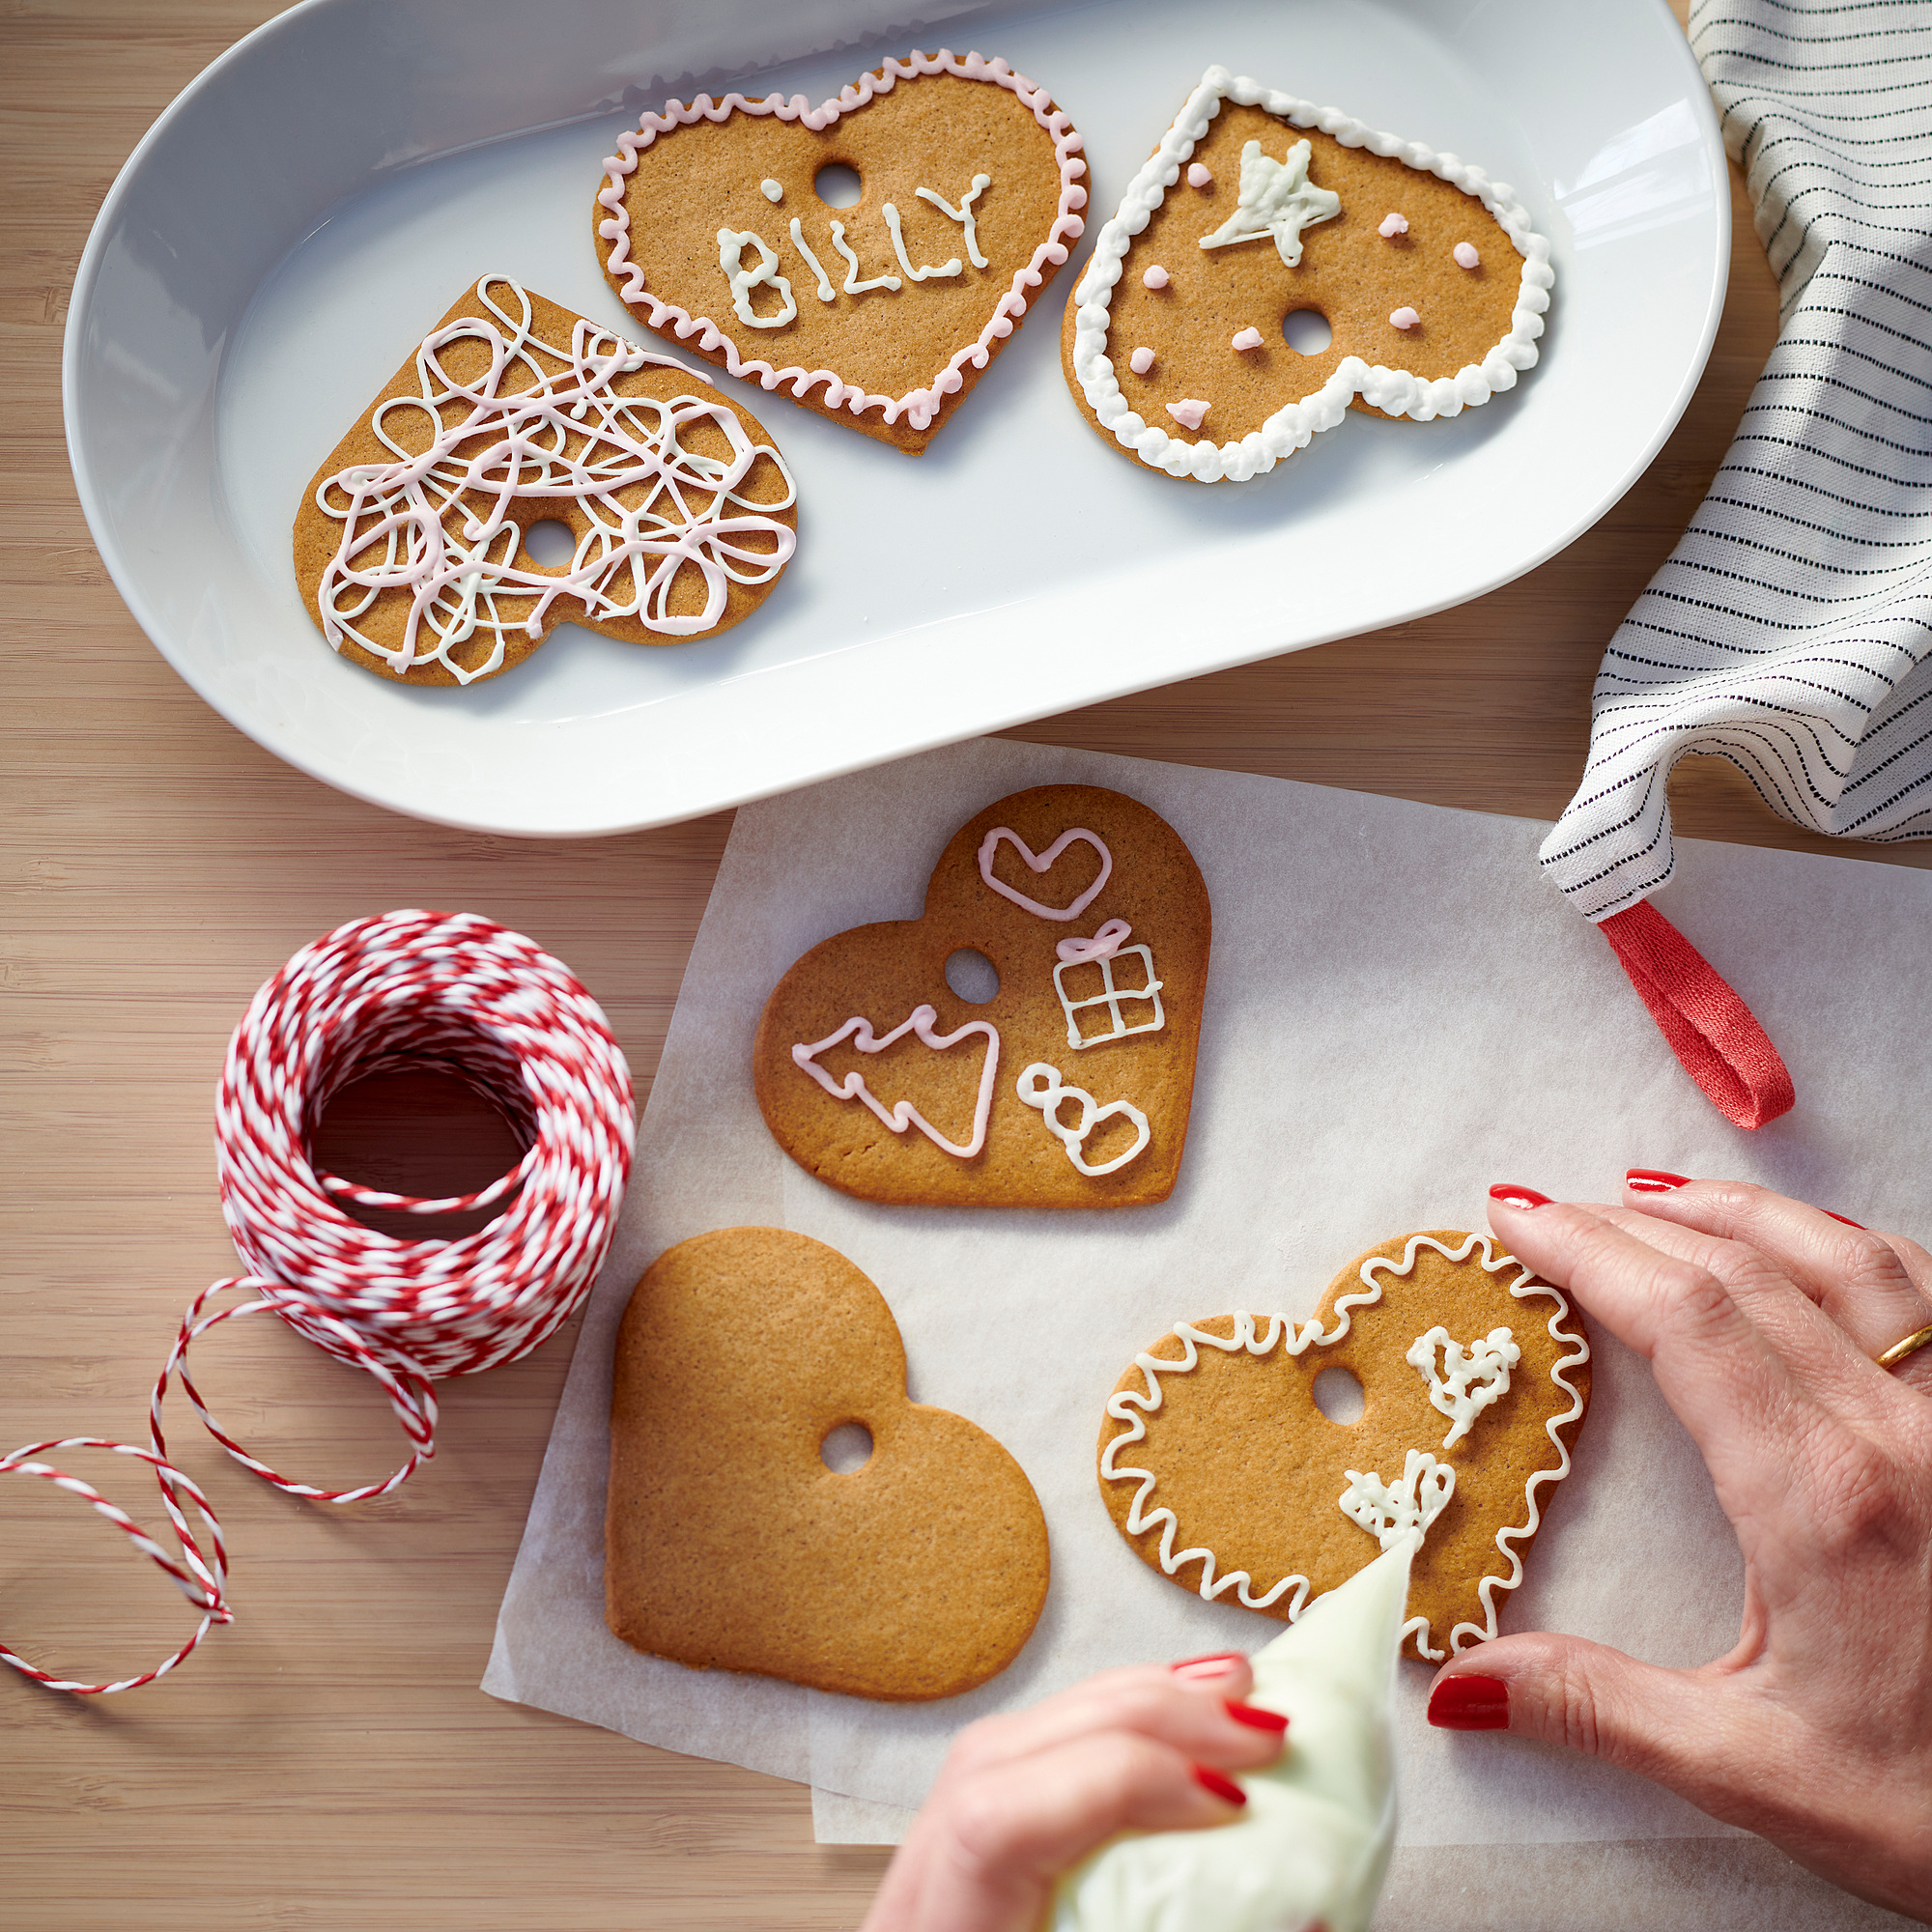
(719,225)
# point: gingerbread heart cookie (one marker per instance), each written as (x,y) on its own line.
(1256,208)
(882,313)
(1068,1086)
(1475,1377)
(411,545)
(729,1543)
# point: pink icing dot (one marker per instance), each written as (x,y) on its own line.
(1406,317)
(1140,360)
(1465,256)
(1249,338)
(1188,411)
(1197,176)
(1156,277)
(1392,226)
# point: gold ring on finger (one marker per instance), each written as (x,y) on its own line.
(1910,1345)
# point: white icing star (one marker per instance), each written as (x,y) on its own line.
(1276,198)
(1468,1381)
(1392,1511)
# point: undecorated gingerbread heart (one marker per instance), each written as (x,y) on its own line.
(731,1545)
(880,314)
(1224,1474)
(1256,206)
(411,544)
(1070,1086)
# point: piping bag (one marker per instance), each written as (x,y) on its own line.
(1313,1845)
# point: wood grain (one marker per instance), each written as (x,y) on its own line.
(328,1762)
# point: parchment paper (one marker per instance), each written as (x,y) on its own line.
(1399,1012)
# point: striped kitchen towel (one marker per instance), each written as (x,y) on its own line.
(1791,629)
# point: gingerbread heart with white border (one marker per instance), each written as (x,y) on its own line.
(1070,1085)
(1475,1377)
(1256,206)
(880,314)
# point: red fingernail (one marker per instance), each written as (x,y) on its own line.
(1513,1196)
(1849,1222)
(1221,1663)
(1221,1785)
(1470,1704)
(1653,1181)
(1254,1715)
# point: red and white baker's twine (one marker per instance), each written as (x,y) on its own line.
(445,992)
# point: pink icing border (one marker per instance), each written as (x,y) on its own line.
(918,406)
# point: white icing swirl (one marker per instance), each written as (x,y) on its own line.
(1295,424)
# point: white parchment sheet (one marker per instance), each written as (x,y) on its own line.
(1400,1012)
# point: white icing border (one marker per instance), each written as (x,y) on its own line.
(1121,1403)
(919,407)
(1295,425)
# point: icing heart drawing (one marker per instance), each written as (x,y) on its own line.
(1224,1474)
(1065,1085)
(1274,263)
(718,225)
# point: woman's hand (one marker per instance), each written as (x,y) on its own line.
(1023,1798)
(1761,1319)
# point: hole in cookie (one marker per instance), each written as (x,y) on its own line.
(1339,1396)
(847,1448)
(551,544)
(1306,332)
(837,185)
(972,976)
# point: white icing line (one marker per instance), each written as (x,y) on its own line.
(1040,1086)
(1122,1404)
(918,406)
(904,1114)
(1295,424)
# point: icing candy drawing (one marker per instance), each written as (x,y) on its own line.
(1066,897)
(409,544)
(1043,862)
(1465,257)
(1329,215)
(1401,1511)
(971,184)
(1277,202)
(1100,953)
(1236,1393)
(1467,1381)
(1199,177)
(1247,338)
(1140,361)
(903,1114)
(1040,1086)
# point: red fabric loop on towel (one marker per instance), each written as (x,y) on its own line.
(1708,1027)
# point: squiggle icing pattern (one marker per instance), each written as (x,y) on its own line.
(1405,1507)
(536,434)
(1101,951)
(989,847)
(904,1114)
(1040,1087)
(1468,1381)
(1295,425)
(918,406)
(1130,1407)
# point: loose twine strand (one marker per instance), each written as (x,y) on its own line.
(415,991)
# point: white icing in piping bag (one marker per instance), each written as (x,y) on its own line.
(1314,1843)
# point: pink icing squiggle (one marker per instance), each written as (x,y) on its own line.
(989,847)
(904,1114)
(918,406)
(1104,944)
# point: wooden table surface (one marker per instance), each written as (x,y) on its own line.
(329,1761)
